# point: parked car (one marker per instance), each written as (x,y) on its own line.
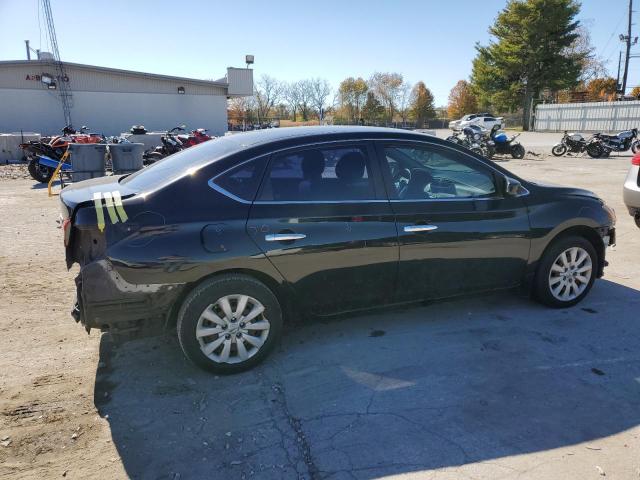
(223,241)
(631,191)
(455,124)
(483,120)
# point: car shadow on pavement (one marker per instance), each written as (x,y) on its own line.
(384,393)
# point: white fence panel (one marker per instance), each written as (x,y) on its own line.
(585,117)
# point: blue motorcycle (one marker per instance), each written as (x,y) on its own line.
(506,145)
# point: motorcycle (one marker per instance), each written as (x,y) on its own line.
(473,138)
(43,156)
(195,137)
(576,143)
(502,144)
(173,142)
(170,144)
(621,142)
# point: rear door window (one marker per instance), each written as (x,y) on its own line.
(319,174)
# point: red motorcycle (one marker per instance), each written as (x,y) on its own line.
(173,142)
(194,137)
(53,149)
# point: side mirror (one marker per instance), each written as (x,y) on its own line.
(513,188)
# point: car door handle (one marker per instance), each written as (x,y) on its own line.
(284,237)
(419,228)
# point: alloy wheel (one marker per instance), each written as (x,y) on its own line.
(233,329)
(570,274)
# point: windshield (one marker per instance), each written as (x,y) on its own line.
(174,166)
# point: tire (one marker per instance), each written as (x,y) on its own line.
(478,151)
(205,300)
(637,220)
(635,146)
(38,172)
(517,151)
(547,281)
(559,150)
(595,150)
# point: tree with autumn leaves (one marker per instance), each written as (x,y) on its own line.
(386,97)
(462,100)
(422,104)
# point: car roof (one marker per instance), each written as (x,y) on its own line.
(257,138)
(222,151)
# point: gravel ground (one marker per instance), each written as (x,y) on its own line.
(14,171)
(482,388)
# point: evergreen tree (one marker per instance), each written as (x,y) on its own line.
(373,109)
(531,51)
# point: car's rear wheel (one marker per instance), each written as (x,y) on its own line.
(229,323)
(566,272)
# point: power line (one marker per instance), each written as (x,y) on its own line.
(611,36)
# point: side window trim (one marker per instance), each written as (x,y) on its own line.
(377,182)
(380,146)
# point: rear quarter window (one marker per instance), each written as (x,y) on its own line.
(241,182)
(180,164)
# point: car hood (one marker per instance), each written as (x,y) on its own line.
(561,190)
(80,192)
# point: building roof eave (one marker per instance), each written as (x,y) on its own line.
(213,83)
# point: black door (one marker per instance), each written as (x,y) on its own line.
(323,220)
(458,232)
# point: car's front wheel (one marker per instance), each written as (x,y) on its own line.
(566,272)
(229,323)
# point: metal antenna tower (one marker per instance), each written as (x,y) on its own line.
(62,79)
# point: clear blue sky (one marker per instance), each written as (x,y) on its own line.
(424,40)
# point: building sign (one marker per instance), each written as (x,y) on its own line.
(38,78)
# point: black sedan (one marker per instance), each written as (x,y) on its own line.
(225,240)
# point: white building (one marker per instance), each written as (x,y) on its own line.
(110,101)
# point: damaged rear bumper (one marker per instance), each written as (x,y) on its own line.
(108,302)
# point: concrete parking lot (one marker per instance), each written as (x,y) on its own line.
(488,387)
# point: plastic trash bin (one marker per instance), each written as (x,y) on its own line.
(87,160)
(126,157)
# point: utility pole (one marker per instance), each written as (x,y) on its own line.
(627,39)
(26,42)
(618,76)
